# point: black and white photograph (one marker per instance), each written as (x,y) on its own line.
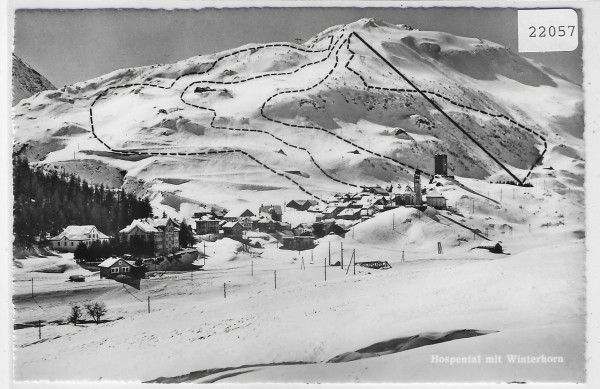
(298,193)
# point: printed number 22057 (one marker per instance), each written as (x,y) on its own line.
(550,31)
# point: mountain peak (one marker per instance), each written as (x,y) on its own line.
(370,23)
(26,80)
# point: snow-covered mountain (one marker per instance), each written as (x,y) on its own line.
(301,121)
(26,80)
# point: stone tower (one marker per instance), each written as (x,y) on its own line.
(441,164)
(418,198)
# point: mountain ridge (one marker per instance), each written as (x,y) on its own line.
(338,104)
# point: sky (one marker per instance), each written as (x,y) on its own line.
(67,46)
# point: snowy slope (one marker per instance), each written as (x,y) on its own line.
(26,80)
(329,110)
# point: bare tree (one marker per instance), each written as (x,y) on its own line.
(96,310)
(76,313)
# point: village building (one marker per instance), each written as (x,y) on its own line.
(233,229)
(436,200)
(69,239)
(301,205)
(236,214)
(113,267)
(403,195)
(273,210)
(297,242)
(207,224)
(163,232)
(350,214)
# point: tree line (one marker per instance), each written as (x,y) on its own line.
(45,202)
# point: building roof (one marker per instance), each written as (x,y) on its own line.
(79,233)
(349,211)
(271,208)
(239,212)
(231,224)
(111,261)
(434,193)
(149,225)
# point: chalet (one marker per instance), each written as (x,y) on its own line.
(266,224)
(332,211)
(69,239)
(113,267)
(303,229)
(301,205)
(273,210)
(207,225)
(236,214)
(163,232)
(350,214)
(233,229)
(436,200)
(202,212)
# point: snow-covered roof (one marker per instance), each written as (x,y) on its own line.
(271,208)
(238,212)
(80,233)
(149,225)
(434,193)
(349,211)
(230,224)
(110,261)
(143,224)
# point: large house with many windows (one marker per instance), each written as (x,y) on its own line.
(163,232)
(69,239)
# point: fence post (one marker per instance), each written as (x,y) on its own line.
(329,257)
(325,267)
(275,277)
(148,304)
(224,290)
(342,255)
(39,329)
(354,256)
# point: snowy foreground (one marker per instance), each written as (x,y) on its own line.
(533,298)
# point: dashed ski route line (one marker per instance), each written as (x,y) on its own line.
(424,93)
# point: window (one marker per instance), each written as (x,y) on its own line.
(125,270)
(71,243)
(58,243)
(114,269)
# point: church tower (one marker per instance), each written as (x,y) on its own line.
(418,198)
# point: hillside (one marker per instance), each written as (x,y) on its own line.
(26,80)
(330,110)
(361,104)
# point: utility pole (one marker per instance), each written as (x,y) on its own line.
(329,256)
(393,222)
(39,329)
(252,268)
(342,255)
(325,267)
(224,290)
(148,304)
(275,277)
(402,256)
(205,253)
(473,210)
(354,256)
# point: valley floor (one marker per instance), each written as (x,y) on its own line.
(533,298)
